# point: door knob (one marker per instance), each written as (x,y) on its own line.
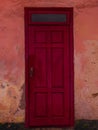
(31,71)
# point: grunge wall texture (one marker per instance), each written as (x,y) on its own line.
(12,62)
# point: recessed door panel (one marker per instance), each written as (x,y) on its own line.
(57,67)
(40,37)
(58,104)
(41,104)
(57,36)
(40,68)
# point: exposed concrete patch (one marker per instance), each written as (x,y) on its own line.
(9,102)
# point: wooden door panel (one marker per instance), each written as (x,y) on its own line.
(38,108)
(58,104)
(41,105)
(57,36)
(38,82)
(57,67)
(40,68)
(40,36)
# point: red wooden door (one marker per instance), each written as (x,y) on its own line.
(49,76)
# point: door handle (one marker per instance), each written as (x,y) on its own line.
(31,71)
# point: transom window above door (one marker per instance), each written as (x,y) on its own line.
(48,18)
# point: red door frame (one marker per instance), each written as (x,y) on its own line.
(61,10)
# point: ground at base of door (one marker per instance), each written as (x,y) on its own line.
(79,125)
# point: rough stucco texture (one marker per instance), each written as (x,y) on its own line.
(12,63)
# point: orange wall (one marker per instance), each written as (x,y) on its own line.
(12,103)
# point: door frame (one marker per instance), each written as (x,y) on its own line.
(27,11)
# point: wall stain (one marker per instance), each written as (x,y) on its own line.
(95,95)
(16,111)
(4,85)
(22,101)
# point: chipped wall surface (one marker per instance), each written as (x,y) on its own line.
(12,63)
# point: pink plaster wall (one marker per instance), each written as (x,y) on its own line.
(12,103)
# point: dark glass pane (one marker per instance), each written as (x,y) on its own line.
(48,18)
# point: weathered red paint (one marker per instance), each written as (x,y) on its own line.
(46,88)
(12,63)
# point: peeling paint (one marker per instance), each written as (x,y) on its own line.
(22,101)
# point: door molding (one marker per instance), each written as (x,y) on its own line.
(28,11)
